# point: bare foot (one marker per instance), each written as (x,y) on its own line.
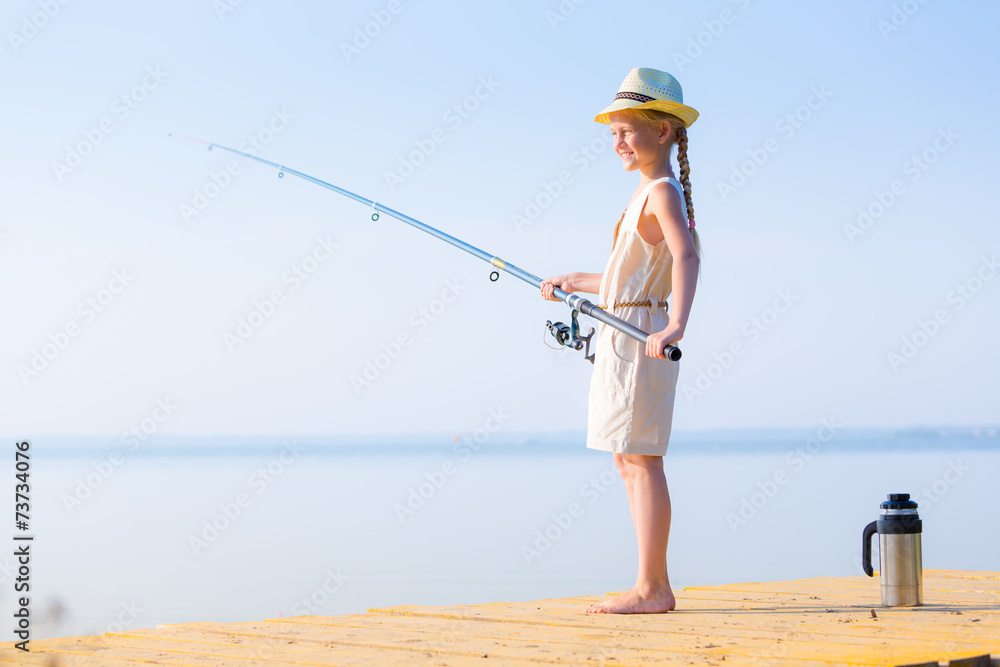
(632,602)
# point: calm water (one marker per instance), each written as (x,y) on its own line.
(225,529)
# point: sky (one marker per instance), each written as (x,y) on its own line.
(842,177)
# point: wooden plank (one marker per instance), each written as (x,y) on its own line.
(286,648)
(738,626)
(449,638)
(201,651)
(971,587)
(964,574)
(664,637)
(749,606)
(957,599)
(759,641)
(821,622)
(46,659)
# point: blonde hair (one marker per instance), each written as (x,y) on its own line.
(652,118)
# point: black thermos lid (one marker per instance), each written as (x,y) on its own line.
(898,501)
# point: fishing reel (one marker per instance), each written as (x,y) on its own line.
(569,335)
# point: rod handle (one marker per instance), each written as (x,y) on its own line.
(671,352)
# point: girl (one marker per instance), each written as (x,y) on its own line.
(655,251)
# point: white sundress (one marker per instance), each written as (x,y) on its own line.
(631,401)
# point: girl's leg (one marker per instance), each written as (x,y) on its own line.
(650,505)
(623,471)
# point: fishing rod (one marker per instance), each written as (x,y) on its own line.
(566,335)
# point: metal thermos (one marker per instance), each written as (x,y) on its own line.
(901,570)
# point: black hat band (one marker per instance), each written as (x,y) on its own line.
(638,97)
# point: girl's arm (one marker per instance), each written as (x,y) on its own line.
(683,276)
(665,203)
(572,282)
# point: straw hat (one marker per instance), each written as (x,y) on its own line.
(646,88)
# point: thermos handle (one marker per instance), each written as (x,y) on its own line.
(866,547)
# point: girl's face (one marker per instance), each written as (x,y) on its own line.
(636,144)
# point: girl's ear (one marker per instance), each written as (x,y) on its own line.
(666,133)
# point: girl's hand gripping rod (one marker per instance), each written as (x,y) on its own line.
(568,336)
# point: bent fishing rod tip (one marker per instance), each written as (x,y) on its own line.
(184,136)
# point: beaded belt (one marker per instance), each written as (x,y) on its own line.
(646,303)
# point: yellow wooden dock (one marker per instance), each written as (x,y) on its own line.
(823,621)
